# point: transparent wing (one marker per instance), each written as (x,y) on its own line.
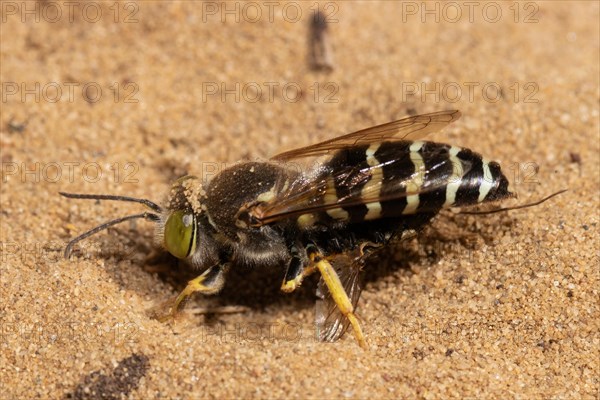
(409,128)
(354,185)
(330,322)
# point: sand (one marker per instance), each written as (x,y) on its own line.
(489,306)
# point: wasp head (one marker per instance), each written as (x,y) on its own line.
(177,229)
(177,222)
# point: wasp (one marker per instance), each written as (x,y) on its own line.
(375,185)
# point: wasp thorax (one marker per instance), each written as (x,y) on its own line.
(237,189)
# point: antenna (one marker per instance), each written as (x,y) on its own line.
(106,225)
(515,207)
(145,202)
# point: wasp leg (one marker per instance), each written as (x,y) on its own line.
(366,248)
(297,270)
(210,282)
(338,294)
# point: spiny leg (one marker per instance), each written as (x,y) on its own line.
(296,271)
(366,248)
(210,282)
(338,294)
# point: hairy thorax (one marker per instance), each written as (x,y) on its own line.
(237,189)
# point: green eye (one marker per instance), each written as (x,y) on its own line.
(180,234)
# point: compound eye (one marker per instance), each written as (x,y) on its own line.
(180,234)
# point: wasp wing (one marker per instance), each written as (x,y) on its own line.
(329,320)
(351,184)
(410,128)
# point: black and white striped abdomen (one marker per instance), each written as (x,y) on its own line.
(391,179)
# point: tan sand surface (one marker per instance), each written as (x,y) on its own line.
(122,98)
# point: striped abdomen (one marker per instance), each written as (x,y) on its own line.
(391,179)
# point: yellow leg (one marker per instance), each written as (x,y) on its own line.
(295,275)
(339,295)
(210,282)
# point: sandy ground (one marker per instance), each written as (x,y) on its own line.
(124,102)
